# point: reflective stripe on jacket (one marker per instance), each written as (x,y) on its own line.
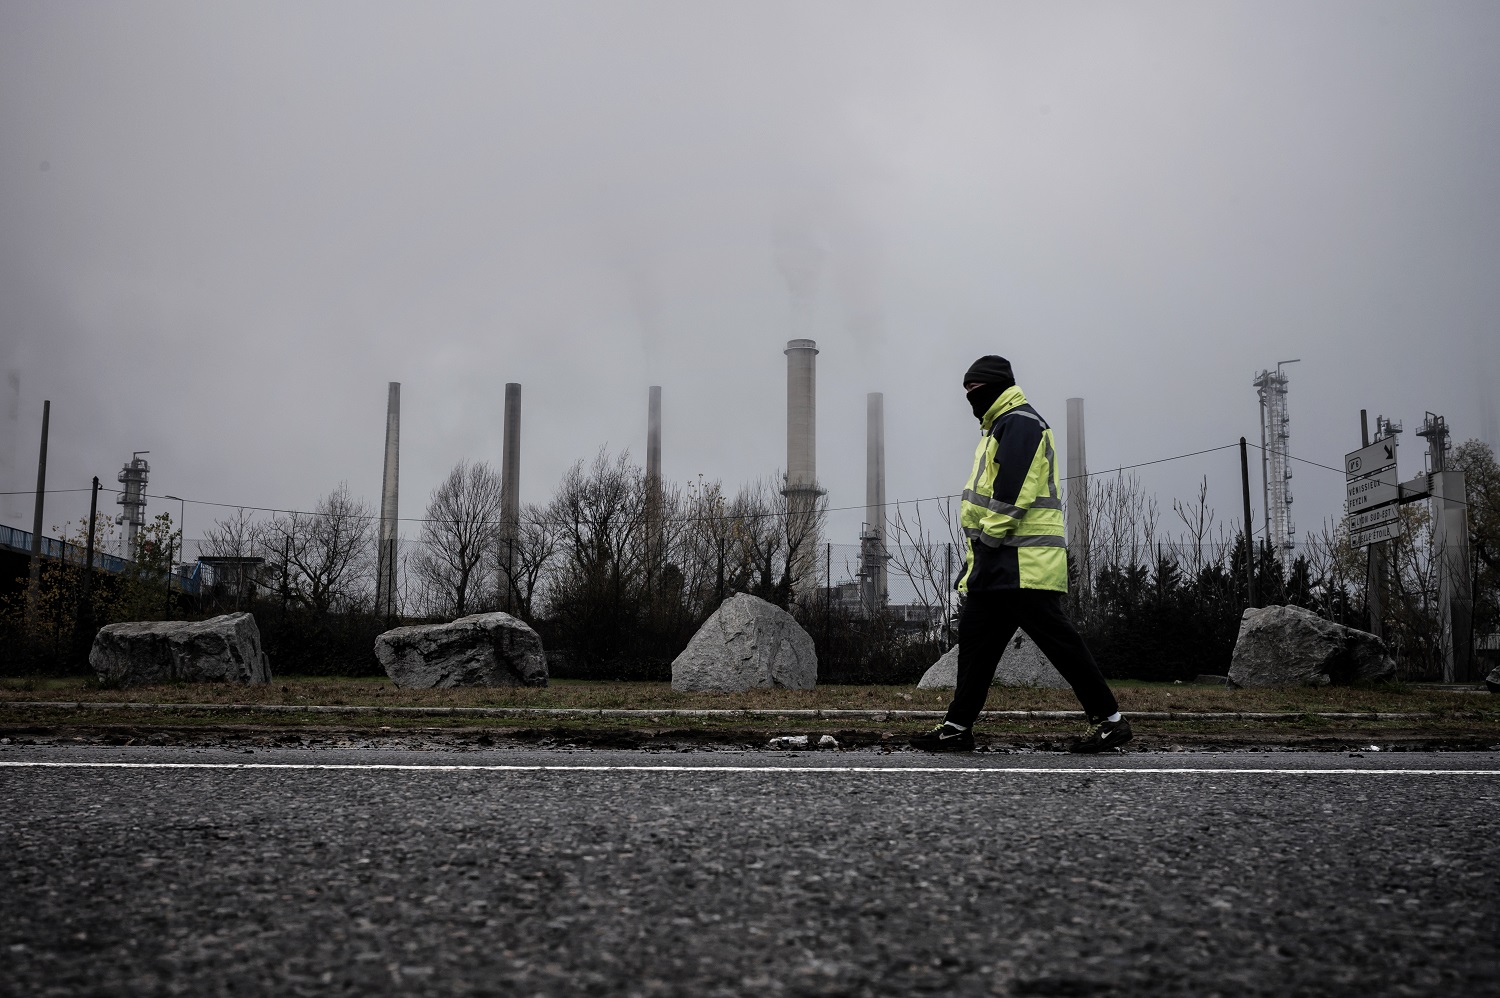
(1012,510)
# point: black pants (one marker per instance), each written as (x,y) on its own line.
(988,622)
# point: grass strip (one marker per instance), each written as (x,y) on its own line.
(461,734)
(737,712)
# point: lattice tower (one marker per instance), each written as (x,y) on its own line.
(1275,463)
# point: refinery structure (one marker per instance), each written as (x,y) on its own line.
(134,477)
(1275,460)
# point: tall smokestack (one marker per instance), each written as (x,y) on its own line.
(802,490)
(385,567)
(510,495)
(1078,497)
(872,538)
(653,484)
(653,436)
(801,415)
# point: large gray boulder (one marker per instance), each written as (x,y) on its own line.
(143,652)
(747,644)
(1023,664)
(483,649)
(1291,646)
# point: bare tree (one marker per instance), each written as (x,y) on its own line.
(713,562)
(600,519)
(1413,604)
(1199,521)
(778,539)
(320,559)
(599,516)
(1332,560)
(232,548)
(1122,523)
(1477,461)
(536,547)
(234,536)
(458,535)
(929,564)
(762,540)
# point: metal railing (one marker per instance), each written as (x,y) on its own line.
(74,554)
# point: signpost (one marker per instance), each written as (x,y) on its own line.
(1371,517)
(1371,490)
(1374,494)
(1368,460)
(1374,535)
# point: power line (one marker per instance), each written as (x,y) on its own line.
(1462,502)
(697,519)
(415,519)
(1160,460)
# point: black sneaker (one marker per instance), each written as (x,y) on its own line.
(944,738)
(1103,735)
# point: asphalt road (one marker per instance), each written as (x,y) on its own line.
(746,873)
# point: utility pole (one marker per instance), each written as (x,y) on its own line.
(34,590)
(1249,536)
(947,589)
(176,552)
(827,591)
(93,514)
(83,618)
(86,596)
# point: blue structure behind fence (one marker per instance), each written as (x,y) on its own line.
(73,554)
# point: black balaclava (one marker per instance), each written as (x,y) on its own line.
(993,376)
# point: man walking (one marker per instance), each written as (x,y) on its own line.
(1016,571)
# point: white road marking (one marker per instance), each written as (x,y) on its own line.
(1018,770)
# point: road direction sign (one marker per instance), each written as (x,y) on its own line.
(1367,460)
(1371,491)
(1384,532)
(1372,517)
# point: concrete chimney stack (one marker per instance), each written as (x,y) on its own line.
(653,484)
(386,562)
(510,495)
(801,415)
(872,538)
(1077,498)
(801,491)
(653,436)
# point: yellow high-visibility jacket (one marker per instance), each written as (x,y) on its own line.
(1011,510)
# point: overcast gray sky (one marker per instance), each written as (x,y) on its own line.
(224,227)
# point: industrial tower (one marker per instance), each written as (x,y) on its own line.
(134,476)
(1275,463)
(801,490)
